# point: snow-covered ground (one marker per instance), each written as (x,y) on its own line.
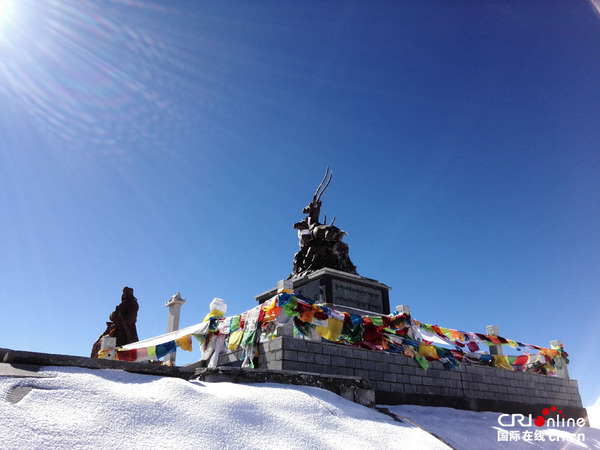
(83,408)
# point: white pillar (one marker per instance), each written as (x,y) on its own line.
(403,309)
(108,343)
(494,330)
(561,365)
(285,286)
(174,305)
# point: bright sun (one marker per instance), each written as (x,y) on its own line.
(6,10)
(7,17)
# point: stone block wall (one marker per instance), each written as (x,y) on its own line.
(399,379)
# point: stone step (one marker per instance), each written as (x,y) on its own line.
(355,389)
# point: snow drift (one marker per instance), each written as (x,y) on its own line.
(84,408)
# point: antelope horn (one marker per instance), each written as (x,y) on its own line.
(322,181)
(328,181)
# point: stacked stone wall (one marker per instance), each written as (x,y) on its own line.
(399,379)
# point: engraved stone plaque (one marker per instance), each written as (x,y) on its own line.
(312,291)
(357,296)
(346,292)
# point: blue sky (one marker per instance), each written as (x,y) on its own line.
(171,148)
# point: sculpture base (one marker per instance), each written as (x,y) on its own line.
(343,291)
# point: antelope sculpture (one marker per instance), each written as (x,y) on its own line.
(320,244)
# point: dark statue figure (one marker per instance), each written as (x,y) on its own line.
(122,322)
(320,244)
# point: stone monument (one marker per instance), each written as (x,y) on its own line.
(322,269)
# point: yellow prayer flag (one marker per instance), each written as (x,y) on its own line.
(333,329)
(185,343)
(512,343)
(235,339)
(428,351)
(502,362)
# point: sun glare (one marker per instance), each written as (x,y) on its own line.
(596,5)
(7,10)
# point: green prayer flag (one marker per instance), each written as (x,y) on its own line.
(235,323)
(290,307)
(249,337)
(352,333)
(422,362)
(377,320)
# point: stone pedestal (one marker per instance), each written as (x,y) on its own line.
(343,291)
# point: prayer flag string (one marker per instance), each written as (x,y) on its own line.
(395,333)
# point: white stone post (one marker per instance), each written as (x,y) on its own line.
(174,305)
(494,330)
(287,329)
(108,343)
(561,365)
(403,309)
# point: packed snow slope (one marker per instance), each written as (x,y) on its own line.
(84,408)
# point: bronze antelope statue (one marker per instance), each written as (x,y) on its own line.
(320,244)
